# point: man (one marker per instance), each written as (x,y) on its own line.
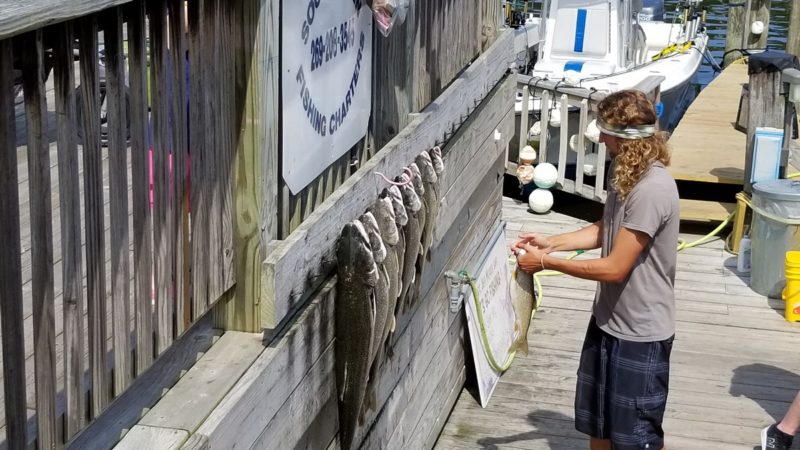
(623,374)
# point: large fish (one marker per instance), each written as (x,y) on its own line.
(523,301)
(355,324)
(419,188)
(431,182)
(385,216)
(401,218)
(379,253)
(413,234)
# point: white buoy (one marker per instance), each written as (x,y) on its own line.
(572,78)
(573,142)
(757,27)
(540,201)
(545,175)
(590,164)
(592,132)
(535,132)
(527,155)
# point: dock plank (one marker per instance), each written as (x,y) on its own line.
(730,375)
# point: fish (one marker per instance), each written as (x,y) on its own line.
(523,300)
(413,234)
(355,324)
(401,218)
(438,161)
(382,312)
(385,216)
(419,188)
(432,200)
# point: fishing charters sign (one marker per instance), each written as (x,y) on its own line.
(326,83)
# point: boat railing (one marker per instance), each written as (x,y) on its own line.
(585,174)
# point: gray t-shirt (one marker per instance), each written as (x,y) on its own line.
(642,308)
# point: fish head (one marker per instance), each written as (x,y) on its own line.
(355,253)
(419,187)
(410,198)
(426,167)
(374,233)
(400,213)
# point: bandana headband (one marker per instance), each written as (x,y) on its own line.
(627,132)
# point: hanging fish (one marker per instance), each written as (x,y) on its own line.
(419,188)
(401,218)
(431,181)
(379,253)
(355,324)
(413,234)
(523,301)
(384,215)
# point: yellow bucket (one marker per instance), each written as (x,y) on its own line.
(791,293)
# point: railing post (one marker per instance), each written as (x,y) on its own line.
(256,160)
(793,38)
(740,19)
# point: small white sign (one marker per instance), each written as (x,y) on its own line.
(326,83)
(494,289)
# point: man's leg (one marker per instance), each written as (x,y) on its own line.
(791,421)
(599,444)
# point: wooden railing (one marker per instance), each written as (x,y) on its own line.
(570,101)
(108,253)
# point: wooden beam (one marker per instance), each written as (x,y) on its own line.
(11,299)
(19,17)
(793,38)
(765,109)
(739,36)
(44,333)
(291,273)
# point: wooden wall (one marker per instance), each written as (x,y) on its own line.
(288,397)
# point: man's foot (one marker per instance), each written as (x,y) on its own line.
(774,439)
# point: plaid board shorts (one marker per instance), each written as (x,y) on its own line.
(622,389)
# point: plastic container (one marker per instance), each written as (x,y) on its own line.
(771,239)
(791,293)
(743,260)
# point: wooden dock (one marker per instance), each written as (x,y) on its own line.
(733,372)
(705,145)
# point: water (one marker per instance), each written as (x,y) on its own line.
(716,23)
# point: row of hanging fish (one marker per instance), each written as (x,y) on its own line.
(380,260)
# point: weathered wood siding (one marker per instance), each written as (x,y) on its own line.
(293,383)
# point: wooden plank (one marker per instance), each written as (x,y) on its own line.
(699,210)
(155,438)
(301,409)
(126,411)
(544,137)
(600,179)
(71,246)
(583,123)
(44,337)
(19,17)
(273,376)
(449,403)
(93,215)
(118,191)
(269,108)
(11,298)
(189,402)
(708,124)
(241,313)
(164,298)
(290,275)
(197,142)
(523,120)
(142,213)
(793,37)
(196,442)
(214,130)
(229,29)
(180,156)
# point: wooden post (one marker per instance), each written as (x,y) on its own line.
(491,20)
(256,160)
(740,19)
(766,109)
(793,39)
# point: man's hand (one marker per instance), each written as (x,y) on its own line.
(529,258)
(534,239)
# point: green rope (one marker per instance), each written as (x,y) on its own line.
(492,360)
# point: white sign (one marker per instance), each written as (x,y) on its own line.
(494,289)
(326,83)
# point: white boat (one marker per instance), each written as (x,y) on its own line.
(610,45)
